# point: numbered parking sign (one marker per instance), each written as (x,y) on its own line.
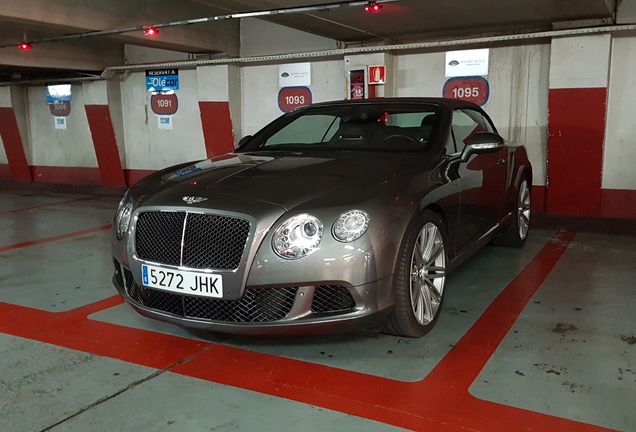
(290,98)
(164,104)
(473,89)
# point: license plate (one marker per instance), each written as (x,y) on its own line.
(182,282)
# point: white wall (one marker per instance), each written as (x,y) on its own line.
(259,91)
(146,146)
(518,79)
(72,147)
(620,136)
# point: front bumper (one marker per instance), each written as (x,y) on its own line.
(323,307)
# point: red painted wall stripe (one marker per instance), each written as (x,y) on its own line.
(618,204)
(133,176)
(576,133)
(66,175)
(537,202)
(217,127)
(105,143)
(5,172)
(13,146)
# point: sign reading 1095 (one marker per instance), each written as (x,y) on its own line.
(162,79)
(474,89)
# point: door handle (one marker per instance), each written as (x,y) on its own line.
(501,162)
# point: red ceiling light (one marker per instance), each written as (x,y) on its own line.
(151,31)
(373,7)
(25,46)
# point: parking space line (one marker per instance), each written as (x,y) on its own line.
(439,402)
(61,203)
(54,239)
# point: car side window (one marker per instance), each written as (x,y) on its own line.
(466,123)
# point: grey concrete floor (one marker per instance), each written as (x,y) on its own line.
(74,358)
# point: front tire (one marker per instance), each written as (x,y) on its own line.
(419,279)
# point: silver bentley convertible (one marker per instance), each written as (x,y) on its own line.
(338,216)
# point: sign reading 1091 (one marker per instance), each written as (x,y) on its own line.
(162,79)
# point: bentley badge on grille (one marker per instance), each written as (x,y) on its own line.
(193,199)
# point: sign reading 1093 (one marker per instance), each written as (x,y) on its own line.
(162,79)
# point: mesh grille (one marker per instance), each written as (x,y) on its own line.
(164,301)
(133,290)
(213,241)
(331,298)
(260,305)
(210,241)
(158,236)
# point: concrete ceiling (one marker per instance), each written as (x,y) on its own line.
(399,21)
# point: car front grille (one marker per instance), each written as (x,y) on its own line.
(195,240)
(256,306)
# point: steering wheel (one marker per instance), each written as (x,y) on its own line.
(399,139)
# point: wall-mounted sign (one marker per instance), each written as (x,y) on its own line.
(297,74)
(60,108)
(473,89)
(377,74)
(164,122)
(60,122)
(58,93)
(164,104)
(467,62)
(162,79)
(290,98)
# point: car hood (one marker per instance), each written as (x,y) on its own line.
(286,180)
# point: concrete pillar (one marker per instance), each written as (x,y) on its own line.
(577,104)
(102,131)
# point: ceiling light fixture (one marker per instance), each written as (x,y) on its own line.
(373,6)
(151,31)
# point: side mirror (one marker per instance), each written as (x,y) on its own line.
(243,140)
(482,142)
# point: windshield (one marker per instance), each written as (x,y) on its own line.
(379,127)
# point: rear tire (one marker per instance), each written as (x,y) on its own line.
(419,279)
(515,232)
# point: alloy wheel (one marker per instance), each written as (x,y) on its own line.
(523,209)
(428,273)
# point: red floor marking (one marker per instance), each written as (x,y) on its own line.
(54,239)
(50,205)
(440,402)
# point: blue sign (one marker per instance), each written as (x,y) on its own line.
(58,93)
(162,79)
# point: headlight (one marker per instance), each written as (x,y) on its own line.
(122,220)
(297,237)
(350,225)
